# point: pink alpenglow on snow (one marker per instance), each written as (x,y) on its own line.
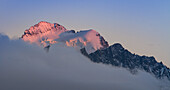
(46,34)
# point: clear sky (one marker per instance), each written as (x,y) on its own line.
(141,26)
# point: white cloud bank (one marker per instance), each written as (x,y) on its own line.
(29,67)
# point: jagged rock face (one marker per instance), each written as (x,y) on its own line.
(45,34)
(116,55)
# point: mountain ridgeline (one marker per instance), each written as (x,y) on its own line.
(116,55)
(95,47)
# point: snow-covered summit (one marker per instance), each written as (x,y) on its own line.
(43,27)
(45,33)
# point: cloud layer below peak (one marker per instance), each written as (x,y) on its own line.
(29,67)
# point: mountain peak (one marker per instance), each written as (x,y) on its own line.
(45,33)
(43,27)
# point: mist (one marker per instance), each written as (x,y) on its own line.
(26,66)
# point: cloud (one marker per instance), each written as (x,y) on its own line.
(29,67)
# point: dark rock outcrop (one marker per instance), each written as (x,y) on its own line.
(117,56)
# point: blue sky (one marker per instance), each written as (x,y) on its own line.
(142,26)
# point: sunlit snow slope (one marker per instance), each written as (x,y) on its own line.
(45,34)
